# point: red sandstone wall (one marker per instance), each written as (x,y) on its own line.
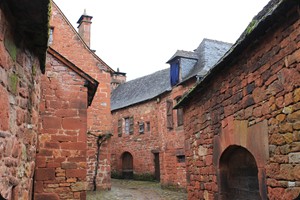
(19,99)
(169,143)
(67,42)
(173,173)
(254,104)
(61,154)
(139,145)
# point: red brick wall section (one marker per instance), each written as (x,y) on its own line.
(168,143)
(173,172)
(61,156)
(139,145)
(258,96)
(19,98)
(67,42)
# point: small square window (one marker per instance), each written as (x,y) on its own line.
(180,158)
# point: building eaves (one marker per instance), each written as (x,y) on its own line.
(30,19)
(259,25)
(91,83)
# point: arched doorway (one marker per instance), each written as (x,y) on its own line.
(127,165)
(238,175)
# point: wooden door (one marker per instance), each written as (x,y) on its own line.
(156,165)
(127,165)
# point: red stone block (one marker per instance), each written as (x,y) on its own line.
(74,145)
(76,173)
(52,145)
(72,124)
(52,122)
(46,196)
(63,138)
(44,174)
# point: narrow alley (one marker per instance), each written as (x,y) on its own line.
(136,190)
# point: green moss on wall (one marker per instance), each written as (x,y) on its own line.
(11,47)
(13,83)
(33,70)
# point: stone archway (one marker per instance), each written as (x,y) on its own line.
(127,165)
(238,174)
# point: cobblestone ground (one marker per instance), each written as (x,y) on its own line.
(136,190)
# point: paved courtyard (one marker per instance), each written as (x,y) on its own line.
(136,190)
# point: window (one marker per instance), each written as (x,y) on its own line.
(127,124)
(179,114)
(131,125)
(120,127)
(180,158)
(169,114)
(141,127)
(50,39)
(148,126)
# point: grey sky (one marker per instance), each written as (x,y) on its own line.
(139,36)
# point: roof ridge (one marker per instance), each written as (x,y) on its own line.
(141,77)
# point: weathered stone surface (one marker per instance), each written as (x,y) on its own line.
(273,65)
(98,116)
(58,144)
(294,158)
(79,186)
(17,109)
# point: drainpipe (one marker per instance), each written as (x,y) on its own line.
(100,140)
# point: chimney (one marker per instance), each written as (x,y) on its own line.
(84,27)
(118,78)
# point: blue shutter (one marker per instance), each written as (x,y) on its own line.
(174,74)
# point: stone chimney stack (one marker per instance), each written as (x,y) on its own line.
(84,27)
(118,78)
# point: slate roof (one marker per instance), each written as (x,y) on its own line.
(259,25)
(209,52)
(150,86)
(140,89)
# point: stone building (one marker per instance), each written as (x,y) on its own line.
(23,45)
(242,119)
(61,162)
(148,135)
(75,48)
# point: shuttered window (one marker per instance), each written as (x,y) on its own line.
(131,125)
(179,116)
(120,127)
(169,114)
(179,113)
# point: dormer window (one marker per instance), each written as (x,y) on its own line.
(181,66)
(174,72)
